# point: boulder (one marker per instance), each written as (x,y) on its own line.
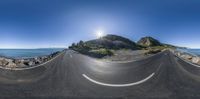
(38,60)
(178,54)
(31,63)
(189,57)
(186,56)
(44,58)
(196,60)
(11,64)
(3,62)
(19,62)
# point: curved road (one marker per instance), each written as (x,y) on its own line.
(72,75)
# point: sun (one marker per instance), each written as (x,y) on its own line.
(99,34)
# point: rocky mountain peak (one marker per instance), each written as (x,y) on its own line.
(148,42)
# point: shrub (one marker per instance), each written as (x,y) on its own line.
(153,51)
(100,53)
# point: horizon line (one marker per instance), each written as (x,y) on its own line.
(36,48)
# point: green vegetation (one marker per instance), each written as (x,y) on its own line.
(103,46)
(157,49)
(112,42)
(84,48)
(153,46)
(101,52)
(153,51)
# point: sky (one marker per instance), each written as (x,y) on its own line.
(58,23)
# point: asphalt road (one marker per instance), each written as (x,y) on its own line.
(72,76)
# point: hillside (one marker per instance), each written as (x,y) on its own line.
(112,42)
(149,42)
(106,45)
(102,46)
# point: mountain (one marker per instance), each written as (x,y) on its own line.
(149,42)
(105,45)
(112,42)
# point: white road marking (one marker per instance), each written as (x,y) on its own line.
(118,85)
(187,61)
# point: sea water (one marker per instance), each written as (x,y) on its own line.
(191,51)
(28,53)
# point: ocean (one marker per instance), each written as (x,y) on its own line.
(191,51)
(28,53)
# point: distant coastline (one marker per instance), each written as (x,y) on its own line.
(22,58)
(27,53)
(191,51)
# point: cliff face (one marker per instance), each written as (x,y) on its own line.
(149,42)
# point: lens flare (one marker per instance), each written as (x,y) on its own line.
(99,34)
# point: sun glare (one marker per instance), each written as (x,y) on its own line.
(99,34)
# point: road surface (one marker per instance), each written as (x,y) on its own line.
(75,76)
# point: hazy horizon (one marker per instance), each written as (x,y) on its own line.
(59,23)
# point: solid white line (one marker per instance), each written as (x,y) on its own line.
(9,68)
(187,61)
(118,85)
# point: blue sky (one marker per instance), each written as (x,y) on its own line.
(58,23)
